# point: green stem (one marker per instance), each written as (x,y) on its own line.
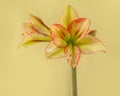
(74,82)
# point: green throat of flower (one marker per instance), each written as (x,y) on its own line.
(71,41)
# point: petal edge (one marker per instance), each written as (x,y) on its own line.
(90,44)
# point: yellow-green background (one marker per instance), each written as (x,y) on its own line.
(26,72)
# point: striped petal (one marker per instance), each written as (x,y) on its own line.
(28,28)
(90,44)
(68,16)
(39,26)
(59,35)
(79,27)
(54,52)
(74,56)
(32,37)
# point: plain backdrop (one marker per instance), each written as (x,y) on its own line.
(27,72)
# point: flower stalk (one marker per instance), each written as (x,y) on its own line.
(74,81)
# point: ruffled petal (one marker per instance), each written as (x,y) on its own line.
(79,27)
(74,56)
(90,44)
(68,16)
(39,26)
(53,52)
(59,35)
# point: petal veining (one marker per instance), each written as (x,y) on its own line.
(59,35)
(74,56)
(39,25)
(33,38)
(79,27)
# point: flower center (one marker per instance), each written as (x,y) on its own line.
(71,41)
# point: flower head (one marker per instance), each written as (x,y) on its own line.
(70,38)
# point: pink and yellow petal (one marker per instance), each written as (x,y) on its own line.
(69,14)
(33,38)
(28,29)
(54,52)
(39,25)
(74,56)
(79,27)
(90,44)
(59,35)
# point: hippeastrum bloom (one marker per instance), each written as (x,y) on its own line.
(72,37)
(35,31)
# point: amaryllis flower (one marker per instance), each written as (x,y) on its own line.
(72,37)
(35,31)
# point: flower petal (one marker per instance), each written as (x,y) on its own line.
(74,56)
(39,26)
(54,52)
(28,28)
(68,16)
(90,44)
(59,35)
(79,27)
(33,38)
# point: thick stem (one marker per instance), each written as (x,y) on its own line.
(74,82)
